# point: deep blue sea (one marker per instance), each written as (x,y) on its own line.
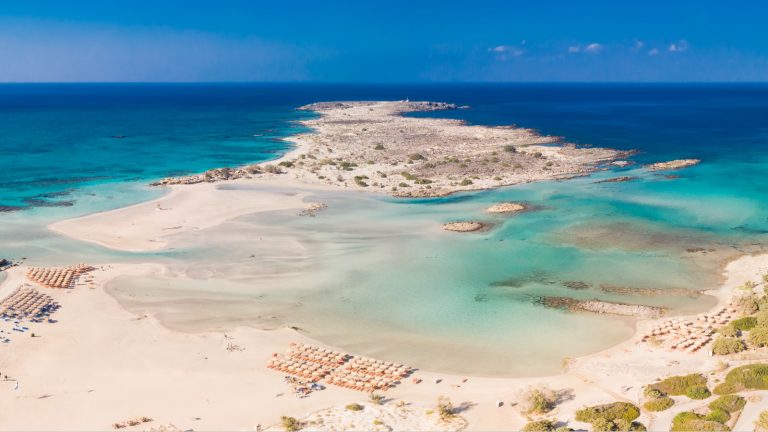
(56,138)
(74,149)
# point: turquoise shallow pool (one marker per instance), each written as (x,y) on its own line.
(376,275)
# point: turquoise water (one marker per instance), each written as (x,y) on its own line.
(376,275)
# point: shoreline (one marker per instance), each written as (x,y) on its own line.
(95,319)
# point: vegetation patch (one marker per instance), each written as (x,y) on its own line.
(539,426)
(728,345)
(659,404)
(690,421)
(537,401)
(354,407)
(758,336)
(698,392)
(679,385)
(754,376)
(744,324)
(290,424)
(611,417)
(730,403)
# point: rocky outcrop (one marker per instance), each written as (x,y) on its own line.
(313,209)
(672,165)
(210,176)
(506,207)
(618,179)
(602,307)
(464,226)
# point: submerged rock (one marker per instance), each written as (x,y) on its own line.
(673,164)
(576,285)
(618,179)
(602,307)
(649,292)
(464,226)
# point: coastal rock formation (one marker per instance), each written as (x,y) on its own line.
(649,292)
(214,175)
(672,165)
(464,226)
(313,209)
(618,179)
(506,207)
(602,307)
(373,146)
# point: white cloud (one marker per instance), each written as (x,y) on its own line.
(680,46)
(593,48)
(505,51)
(653,52)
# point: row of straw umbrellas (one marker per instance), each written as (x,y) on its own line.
(344,370)
(57,277)
(27,302)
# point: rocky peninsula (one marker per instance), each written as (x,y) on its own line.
(374,146)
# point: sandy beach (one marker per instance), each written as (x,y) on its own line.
(100,364)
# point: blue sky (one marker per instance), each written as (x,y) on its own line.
(383,41)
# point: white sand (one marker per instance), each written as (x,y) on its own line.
(100,364)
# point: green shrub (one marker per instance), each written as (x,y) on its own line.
(290,424)
(408,176)
(659,404)
(762,421)
(354,407)
(378,147)
(698,392)
(728,345)
(539,426)
(445,408)
(718,415)
(758,336)
(612,411)
(563,429)
(404,184)
(510,148)
(730,403)
(537,401)
(678,385)
(748,304)
(376,399)
(416,156)
(466,182)
(652,393)
(744,324)
(423,181)
(754,376)
(729,331)
(689,421)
